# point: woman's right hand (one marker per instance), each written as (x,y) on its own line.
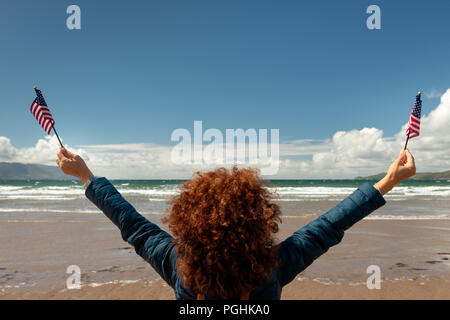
(72,164)
(401,169)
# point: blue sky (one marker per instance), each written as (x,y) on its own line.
(137,70)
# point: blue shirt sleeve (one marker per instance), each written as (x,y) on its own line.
(149,241)
(298,251)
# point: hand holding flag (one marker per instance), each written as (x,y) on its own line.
(42,113)
(401,169)
(72,164)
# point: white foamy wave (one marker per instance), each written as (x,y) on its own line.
(313,191)
(37,197)
(161,193)
(309,198)
(403,217)
(76,192)
(157,199)
(434,191)
(37,210)
(378,217)
(43,193)
(53,190)
(335,193)
(9,188)
(300,216)
(149,192)
(119,282)
(43,221)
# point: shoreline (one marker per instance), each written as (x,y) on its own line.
(299,289)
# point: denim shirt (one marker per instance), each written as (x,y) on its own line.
(295,253)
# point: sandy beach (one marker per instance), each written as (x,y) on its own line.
(413,256)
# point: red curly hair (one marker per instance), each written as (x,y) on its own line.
(223,223)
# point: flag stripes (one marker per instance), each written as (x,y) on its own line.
(42,113)
(414,120)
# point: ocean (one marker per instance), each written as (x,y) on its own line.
(43,199)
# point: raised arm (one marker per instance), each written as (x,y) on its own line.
(298,251)
(149,241)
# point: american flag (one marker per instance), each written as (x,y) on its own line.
(414,120)
(41,112)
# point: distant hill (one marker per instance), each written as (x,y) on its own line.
(444,175)
(21,171)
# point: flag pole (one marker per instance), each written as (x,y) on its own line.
(407,138)
(53,126)
(57,136)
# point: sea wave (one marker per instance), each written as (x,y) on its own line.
(326,192)
(378,217)
(37,197)
(163,192)
(44,210)
(403,217)
(76,192)
(410,191)
(148,192)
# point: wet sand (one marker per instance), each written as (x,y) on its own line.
(413,256)
(299,289)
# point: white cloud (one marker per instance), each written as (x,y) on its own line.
(44,152)
(7,151)
(433,94)
(345,155)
